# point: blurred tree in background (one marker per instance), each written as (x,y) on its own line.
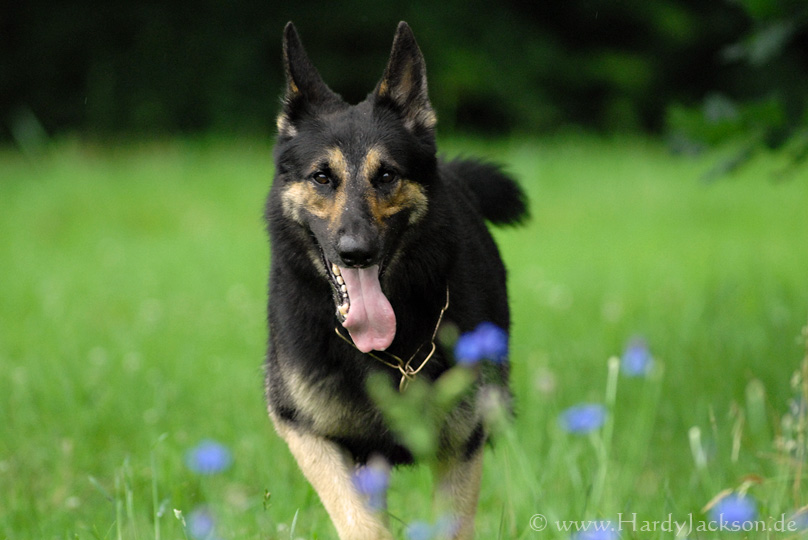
(762,101)
(151,67)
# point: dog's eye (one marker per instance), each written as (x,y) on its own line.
(321,178)
(386,177)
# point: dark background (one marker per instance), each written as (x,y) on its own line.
(176,67)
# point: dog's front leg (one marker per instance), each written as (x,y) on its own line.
(329,469)
(457,490)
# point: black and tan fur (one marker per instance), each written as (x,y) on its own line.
(361,187)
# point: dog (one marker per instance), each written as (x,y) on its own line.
(375,242)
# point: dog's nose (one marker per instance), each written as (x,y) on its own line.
(354,251)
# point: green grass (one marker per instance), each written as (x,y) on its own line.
(132,308)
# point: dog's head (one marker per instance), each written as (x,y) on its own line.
(356,177)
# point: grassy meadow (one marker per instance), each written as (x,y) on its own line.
(132,327)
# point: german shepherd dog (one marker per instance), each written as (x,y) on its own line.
(375,237)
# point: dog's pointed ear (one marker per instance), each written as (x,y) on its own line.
(304,86)
(403,84)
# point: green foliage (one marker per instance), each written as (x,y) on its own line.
(764,104)
(516,66)
(720,119)
(133,326)
(418,413)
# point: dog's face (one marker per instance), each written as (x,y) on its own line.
(356,178)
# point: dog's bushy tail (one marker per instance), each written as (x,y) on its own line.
(498,197)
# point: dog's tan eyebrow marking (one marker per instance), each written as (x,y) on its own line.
(407,195)
(375,157)
(339,167)
(337,163)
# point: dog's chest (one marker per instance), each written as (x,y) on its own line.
(327,408)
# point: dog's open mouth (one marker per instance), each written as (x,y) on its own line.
(362,307)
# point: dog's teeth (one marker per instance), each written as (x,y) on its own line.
(344,288)
(343,309)
(340,280)
(335,269)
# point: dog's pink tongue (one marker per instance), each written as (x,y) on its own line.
(371,320)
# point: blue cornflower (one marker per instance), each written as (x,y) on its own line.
(467,350)
(637,359)
(581,419)
(201,524)
(419,530)
(734,510)
(598,530)
(486,342)
(372,480)
(445,527)
(208,457)
(799,519)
